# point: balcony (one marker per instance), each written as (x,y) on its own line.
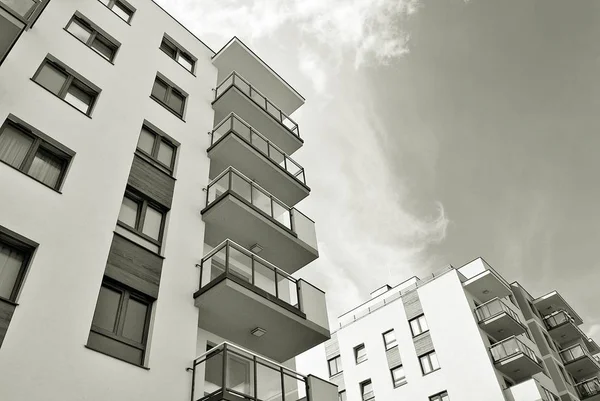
(498,319)
(236,95)
(235,143)
(515,359)
(236,56)
(529,390)
(16,16)
(483,282)
(579,362)
(240,291)
(562,328)
(589,389)
(228,372)
(240,210)
(554,302)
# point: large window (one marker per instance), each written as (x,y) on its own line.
(14,257)
(120,323)
(389,339)
(24,149)
(169,96)
(342,395)
(157,147)
(145,219)
(88,33)
(398,376)
(60,80)
(335,365)
(443,396)
(366,390)
(429,362)
(122,9)
(178,54)
(418,325)
(360,353)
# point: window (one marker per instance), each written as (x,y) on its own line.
(342,395)
(26,151)
(418,325)
(443,396)
(178,54)
(84,30)
(366,389)
(389,339)
(168,96)
(429,362)
(360,353)
(120,323)
(157,147)
(145,219)
(64,83)
(398,376)
(123,10)
(14,257)
(335,365)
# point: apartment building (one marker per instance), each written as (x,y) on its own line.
(463,334)
(148,233)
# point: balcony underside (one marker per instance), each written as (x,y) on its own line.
(231,150)
(486,286)
(595,397)
(582,368)
(566,333)
(232,308)
(232,217)
(553,302)
(502,326)
(518,367)
(233,100)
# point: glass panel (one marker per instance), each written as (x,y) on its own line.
(425,364)
(242,129)
(79,30)
(213,375)
(243,86)
(218,188)
(129,212)
(115,348)
(240,375)
(186,61)
(105,315)
(282,214)
(254,95)
(213,267)
(261,200)
(21,7)
(260,144)
(79,97)
(11,262)
(274,111)
(360,353)
(287,289)
(135,320)
(146,140)
(269,383)
(14,146)
(122,11)
(159,90)
(104,47)
(224,85)
(423,324)
(168,48)
(240,186)
(240,264)
(434,361)
(152,223)
(264,277)
(398,375)
(46,168)
(277,156)
(51,78)
(293,388)
(176,102)
(165,153)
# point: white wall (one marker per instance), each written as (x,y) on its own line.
(43,354)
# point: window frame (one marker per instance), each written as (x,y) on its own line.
(95,32)
(394,380)
(39,141)
(385,343)
(21,244)
(170,88)
(179,51)
(356,349)
(121,314)
(362,388)
(159,137)
(428,357)
(140,219)
(338,363)
(72,79)
(417,320)
(111,3)
(440,396)
(342,395)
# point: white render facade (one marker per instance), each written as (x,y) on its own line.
(463,334)
(140,257)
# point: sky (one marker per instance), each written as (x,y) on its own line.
(437,131)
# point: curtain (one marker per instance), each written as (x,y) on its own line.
(11,261)
(14,146)
(46,168)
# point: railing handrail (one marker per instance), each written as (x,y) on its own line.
(558,312)
(282,114)
(575,346)
(506,308)
(514,337)
(585,381)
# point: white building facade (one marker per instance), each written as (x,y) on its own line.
(148,234)
(463,334)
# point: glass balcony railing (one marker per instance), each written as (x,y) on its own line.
(492,308)
(243,129)
(234,79)
(588,388)
(557,318)
(232,259)
(576,352)
(509,347)
(230,372)
(23,8)
(289,217)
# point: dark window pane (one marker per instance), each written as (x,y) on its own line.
(104,47)
(51,78)
(168,48)
(165,153)
(79,97)
(107,307)
(11,262)
(129,212)
(122,11)
(159,90)
(46,167)
(176,102)
(146,141)
(80,30)
(115,348)
(14,146)
(135,320)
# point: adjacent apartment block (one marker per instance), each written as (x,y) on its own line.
(148,234)
(463,334)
